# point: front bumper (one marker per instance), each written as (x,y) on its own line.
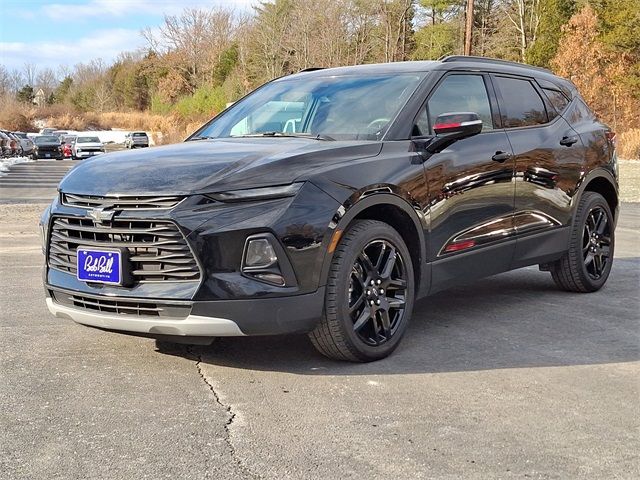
(48,154)
(193,325)
(88,154)
(230,318)
(223,301)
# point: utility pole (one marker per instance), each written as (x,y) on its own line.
(468,28)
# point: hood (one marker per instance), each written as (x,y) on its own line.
(210,165)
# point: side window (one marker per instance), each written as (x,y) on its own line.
(557,99)
(521,105)
(456,93)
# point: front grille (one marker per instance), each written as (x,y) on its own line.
(121,306)
(120,203)
(157,249)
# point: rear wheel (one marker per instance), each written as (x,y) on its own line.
(587,264)
(370,293)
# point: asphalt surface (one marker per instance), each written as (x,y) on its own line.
(33,181)
(505,378)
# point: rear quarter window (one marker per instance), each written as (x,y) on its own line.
(557,100)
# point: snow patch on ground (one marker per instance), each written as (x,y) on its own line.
(5,163)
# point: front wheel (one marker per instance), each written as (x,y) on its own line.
(587,264)
(369,297)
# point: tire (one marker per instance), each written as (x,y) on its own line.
(585,267)
(380,313)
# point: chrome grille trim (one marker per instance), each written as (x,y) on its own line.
(121,203)
(157,249)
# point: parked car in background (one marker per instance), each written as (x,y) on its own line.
(26,142)
(136,140)
(47,146)
(86,146)
(67,144)
(60,134)
(16,144)
(47,131)
(13,143)
(5,147)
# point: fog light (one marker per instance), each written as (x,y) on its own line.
(259,254)
(273,278)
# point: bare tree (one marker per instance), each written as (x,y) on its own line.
(524,15)
(46,80)
(29,73)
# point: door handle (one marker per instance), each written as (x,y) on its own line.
(567,141)
(501,156)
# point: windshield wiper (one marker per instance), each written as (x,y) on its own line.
(200,138)
(310,136)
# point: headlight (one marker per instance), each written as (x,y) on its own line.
(263,193)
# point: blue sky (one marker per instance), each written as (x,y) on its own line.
(54,32)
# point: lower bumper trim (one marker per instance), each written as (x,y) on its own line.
(192,325)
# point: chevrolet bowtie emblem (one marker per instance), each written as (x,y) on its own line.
(99,215)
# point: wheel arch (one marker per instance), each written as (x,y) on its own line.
(394,211)
(603,182)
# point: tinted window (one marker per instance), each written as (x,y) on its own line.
(456,93)
(521,105)
(557,99)
(47,139)
(345,107)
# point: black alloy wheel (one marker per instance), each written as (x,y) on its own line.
(377,292)
(369,294)
(596,242)
(586,265)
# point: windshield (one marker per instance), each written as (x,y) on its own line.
(47,139)
(87,140)
(350,107)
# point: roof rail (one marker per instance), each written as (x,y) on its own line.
(311,69)
(471,58)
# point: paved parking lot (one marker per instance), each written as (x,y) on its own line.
(505,378)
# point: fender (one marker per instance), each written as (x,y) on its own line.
(348,211)
(598,172)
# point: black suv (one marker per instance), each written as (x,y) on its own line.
(330,200)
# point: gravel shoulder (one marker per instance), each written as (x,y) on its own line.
(629,180)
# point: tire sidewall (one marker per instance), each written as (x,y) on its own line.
(594,200)
(380,231)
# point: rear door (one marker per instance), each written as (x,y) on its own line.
(470,185)
(548,159)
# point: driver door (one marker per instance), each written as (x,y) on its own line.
(471,186)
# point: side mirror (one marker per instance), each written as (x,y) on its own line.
(460,124)
(451,127)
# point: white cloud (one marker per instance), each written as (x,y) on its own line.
(118,8)
(104,44)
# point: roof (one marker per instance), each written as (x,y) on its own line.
(453,62)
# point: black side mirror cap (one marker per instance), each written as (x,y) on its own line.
(449,128)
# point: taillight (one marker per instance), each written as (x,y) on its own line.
(611,136)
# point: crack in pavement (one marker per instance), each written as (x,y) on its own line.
(231,417)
